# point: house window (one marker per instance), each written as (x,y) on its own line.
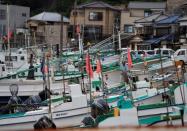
(148,30)
(96,16)
(2,14)
(93,33)
(24,14)
(128,28)
(147,13)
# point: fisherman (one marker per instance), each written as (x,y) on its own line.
(124,68)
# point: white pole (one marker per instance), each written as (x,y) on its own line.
(8,39)
(80,43)
(28,41)
(25,39)
(119,38)
(113,35)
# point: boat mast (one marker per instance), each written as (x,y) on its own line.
(119,40)
(163,80)
(89,78)
(102,83)
(48,86)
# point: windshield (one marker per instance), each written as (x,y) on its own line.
(150,52)
(158,51)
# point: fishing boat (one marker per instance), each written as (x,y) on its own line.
(64,113)
(157,114)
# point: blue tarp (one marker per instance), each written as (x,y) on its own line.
(152,41)
(167,37)
(169,20)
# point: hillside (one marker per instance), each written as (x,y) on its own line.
(60,5)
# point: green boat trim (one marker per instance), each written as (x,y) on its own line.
(14,115)
(155,119)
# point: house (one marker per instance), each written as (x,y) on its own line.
(138,10)
(46,29)
(144,26)
(158,30)
(183,31)
(16,16)
(97,20)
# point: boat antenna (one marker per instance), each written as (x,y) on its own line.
(163,82)
(63,81)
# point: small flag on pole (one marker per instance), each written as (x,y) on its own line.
(8,37)
(78,30)
(129,58)
(89,66)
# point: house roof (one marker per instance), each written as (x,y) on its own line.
(154,17)
(96,4)
(147,5)
(167,37)
(169,20)
(49,16)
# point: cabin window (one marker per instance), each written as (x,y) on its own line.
(3,68)
(10,58)
(96,16)
(181,53)
(158,51)
(22,58)
(13,76)
(165,52)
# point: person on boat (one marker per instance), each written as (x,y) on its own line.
(124,68)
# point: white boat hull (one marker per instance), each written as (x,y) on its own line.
(62,119)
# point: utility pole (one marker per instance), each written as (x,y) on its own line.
(8,30)
(74,17)
(61,32)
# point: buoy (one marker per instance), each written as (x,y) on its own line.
(116,112)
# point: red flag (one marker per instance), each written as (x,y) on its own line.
(129,58)
(45,69)
(6,38)
(78,29)
(98,70)
(89,66)
(10,34)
